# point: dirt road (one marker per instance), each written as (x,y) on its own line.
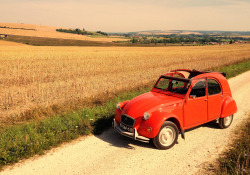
(111,153)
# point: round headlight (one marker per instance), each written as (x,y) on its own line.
(118,105)
(146,115)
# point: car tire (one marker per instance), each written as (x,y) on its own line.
(167,136)
(225,122)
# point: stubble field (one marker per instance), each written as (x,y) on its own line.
(67,77)
(48,32)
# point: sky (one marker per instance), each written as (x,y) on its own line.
(130,15)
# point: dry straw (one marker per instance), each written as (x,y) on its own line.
(32,77)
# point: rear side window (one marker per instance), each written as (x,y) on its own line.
(213,87)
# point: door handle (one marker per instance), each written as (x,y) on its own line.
(205,99)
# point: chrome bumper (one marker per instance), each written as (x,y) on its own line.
(134,135)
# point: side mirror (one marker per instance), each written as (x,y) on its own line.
(192,96)
(174,82)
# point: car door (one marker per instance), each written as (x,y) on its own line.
(195,106)
(215,97)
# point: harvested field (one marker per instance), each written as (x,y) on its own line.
(42,41)
(29,26)
(9,43)
(48,32)
(43,77)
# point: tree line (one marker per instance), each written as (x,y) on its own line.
(80,32)
(202,39)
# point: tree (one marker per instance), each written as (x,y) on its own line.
(134,40)
(77,31)
(102,33)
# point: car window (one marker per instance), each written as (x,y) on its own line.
(177,83)
(199,89)
(213,87)
(171,85)
(163,83)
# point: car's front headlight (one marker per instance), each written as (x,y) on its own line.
(146,115)
(118,105)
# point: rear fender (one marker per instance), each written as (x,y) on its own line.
(229,107)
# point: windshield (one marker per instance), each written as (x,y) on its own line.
(175,86)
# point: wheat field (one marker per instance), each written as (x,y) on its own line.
(48,32)
(34,77)
(9,43)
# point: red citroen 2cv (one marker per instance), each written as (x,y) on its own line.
(180,99)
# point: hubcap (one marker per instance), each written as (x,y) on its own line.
(228,120)
(167,136)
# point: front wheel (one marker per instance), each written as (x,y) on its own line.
(225,122)
(167,136)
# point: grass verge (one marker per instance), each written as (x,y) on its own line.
(235,160)
(24,140)
(235,69)
(33,137)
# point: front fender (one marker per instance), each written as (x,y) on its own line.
(155,124)
(229,107)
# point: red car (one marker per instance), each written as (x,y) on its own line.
(180,99)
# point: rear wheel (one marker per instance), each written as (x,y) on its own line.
(167,136)
(225,122)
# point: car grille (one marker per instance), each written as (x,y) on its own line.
(127,120)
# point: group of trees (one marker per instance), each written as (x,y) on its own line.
(80,32)
(102,33)
(75,31)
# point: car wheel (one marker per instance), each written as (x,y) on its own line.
(167,136)
(225,122)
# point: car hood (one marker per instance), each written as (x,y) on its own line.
(147,102)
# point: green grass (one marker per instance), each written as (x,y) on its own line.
(24,140)
(236,69)
(98,36)
(33,137)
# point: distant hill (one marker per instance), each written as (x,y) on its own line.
(33,30)
(168,32)
(188,32)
